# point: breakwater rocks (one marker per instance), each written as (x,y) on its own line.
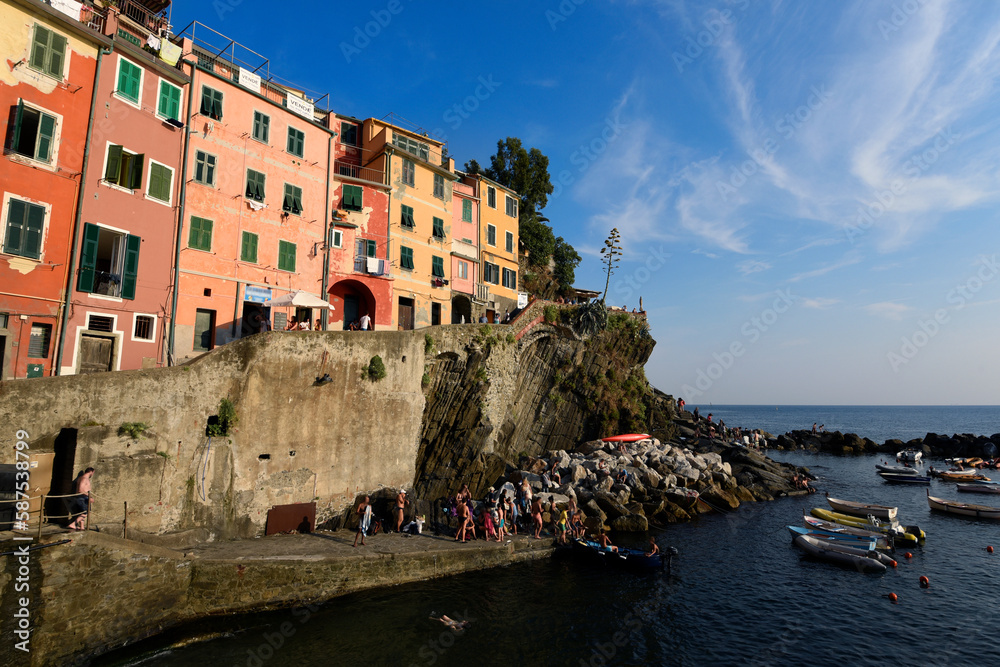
(932,444)
(631,486)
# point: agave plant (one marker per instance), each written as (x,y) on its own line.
(591,318)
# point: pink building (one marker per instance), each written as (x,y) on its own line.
(121,285)
(464,249)
(255,201)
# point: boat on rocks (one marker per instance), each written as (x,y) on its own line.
(895,478)
(900,534)
(863,561)
(909,455)
(627,437)
(634,559)
(863,510)
(962,509)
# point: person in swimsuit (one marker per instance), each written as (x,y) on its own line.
(536,516)
(653,548)
(365,514)
(562,526)
(451,623)
(605,543)
(401,502)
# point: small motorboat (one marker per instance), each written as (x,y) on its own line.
(831,527)
(873,541)
(623,557)
(881,512)
(909,455)
(863,561)
(961,476)
(896,470)
(895,478)
(979,487)
(962,509)
(901,534)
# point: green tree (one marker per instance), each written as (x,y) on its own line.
(566,260)
(472,168)
(538,240)
(525,172)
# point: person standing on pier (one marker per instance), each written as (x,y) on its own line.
(401,503)
(365,514)
(80,504)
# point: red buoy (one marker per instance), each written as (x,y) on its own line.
(909,554)
(925,582)
(893,563)
(893,598)
(989,550)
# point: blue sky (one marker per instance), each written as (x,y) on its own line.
(807,192)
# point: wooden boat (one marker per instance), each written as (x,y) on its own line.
(909,455)
(863,561)
(898,470)
(624,557)
(900,534)
(882,512)
(962,509)
(961,476)
(873,541)
(894,478)
(992,487)
(627,437)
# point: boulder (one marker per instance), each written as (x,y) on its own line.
(712,459)
(605,484)
(590,447)
(630,523)
(651,478)
(576,472)
(610,504)
(720,499)
(593,510)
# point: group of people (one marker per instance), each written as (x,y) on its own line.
(484,319)
(369,525)
(363,323)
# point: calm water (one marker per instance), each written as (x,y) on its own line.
(880,423)
(739,595)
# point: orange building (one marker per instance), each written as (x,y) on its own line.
(255,198)
(47,81)
(498,239)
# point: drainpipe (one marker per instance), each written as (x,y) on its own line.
(180,223)
(101,52)
(387,179)
(327,227)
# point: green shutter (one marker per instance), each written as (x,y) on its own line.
(88,257)
(135,171)
(130,274)
(57,53)
(437,267)
(466,210)
(39,47)
(439,228)
(46,132)
(114,164)
(206,101)
(159,182)
(286,256)
(200,234)
(15,227)
(405,257)
(217,105)
(170,101)
(248,253)
(370,249)
(129,77)
(17,125)
(32,246)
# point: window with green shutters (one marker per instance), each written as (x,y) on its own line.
(248,250)
(124,168)
(204,168)
(211,103)
(349,133)
(438,228)
(200,234)
(439,186)
(34,133)
(23,233)
(296,142)
(292,201)
(509,237)
(161,179)
(169,103)
(510,278)
(48,52)
(129,80)
(466,210)
(352,197)
(491,234)
(405,257)
(409,171)
(286,256)
(491,273)
(406,219)
(369,247)
(437,267)
(255,185)
(109,262)
(261,126)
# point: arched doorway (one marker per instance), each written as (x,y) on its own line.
(461,307)
(350,300)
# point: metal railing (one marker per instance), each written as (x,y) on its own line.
(142,17)
(344,168)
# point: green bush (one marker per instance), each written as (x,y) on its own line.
(226,420)
(133,429)
(428,343)
(425,380)
(376,369)
(551,314)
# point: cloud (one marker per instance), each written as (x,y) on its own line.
(710,255)
(848,260)
(819,303)
(753,266)
(888,310)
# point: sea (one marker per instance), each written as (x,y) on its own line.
(737,593)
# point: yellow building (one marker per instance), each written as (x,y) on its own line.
(498,239)
(420,220)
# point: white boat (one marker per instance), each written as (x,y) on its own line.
(863,510)
(971,487)
(863,561)
(963,509)
(909,455)
(896,470)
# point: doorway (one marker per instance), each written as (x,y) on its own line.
(435,314)
(250,324)
(350,310)
(204,330)
(96,354)
(405,318)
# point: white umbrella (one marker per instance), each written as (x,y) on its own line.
(301,299)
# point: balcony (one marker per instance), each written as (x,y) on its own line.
(372,266)
(482,294)
(344,168)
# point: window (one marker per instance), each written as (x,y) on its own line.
(437,267)
(109,262)
(491,234)
(439,186)
(352,197)
(48,52)
(463,270)
(408,172)
(38,345)
(411,145)
(144,328)
(491,273)
(509,238)
(296,142)
(25,224)
(491,196)
(200,234)
(124,168)
(406,219)
(292,201)
(204,168)
(286,256)
(248,249)
(168,104)
(261,126)
(161,180)
(466,210)
(211,103)
(129,80)
(337,238)
(511,206)
(405,257)
(34,133)
(349,133)
(102,323)
(438,228)
(255,185)
(366,247)
(510,278)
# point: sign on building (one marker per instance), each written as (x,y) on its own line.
(255,294)
(298,105)
(250,80)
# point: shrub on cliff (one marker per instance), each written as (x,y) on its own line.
(376,369)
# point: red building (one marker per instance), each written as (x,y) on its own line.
(360,258)
(46,87)
(121,285)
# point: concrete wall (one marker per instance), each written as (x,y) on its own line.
(295,441)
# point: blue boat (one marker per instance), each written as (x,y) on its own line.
(634,559)
(861,542)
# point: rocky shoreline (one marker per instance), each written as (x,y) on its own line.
(931,445)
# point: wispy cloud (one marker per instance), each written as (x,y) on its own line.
(753,266)
(888,310)
(819,303)
(847,260)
